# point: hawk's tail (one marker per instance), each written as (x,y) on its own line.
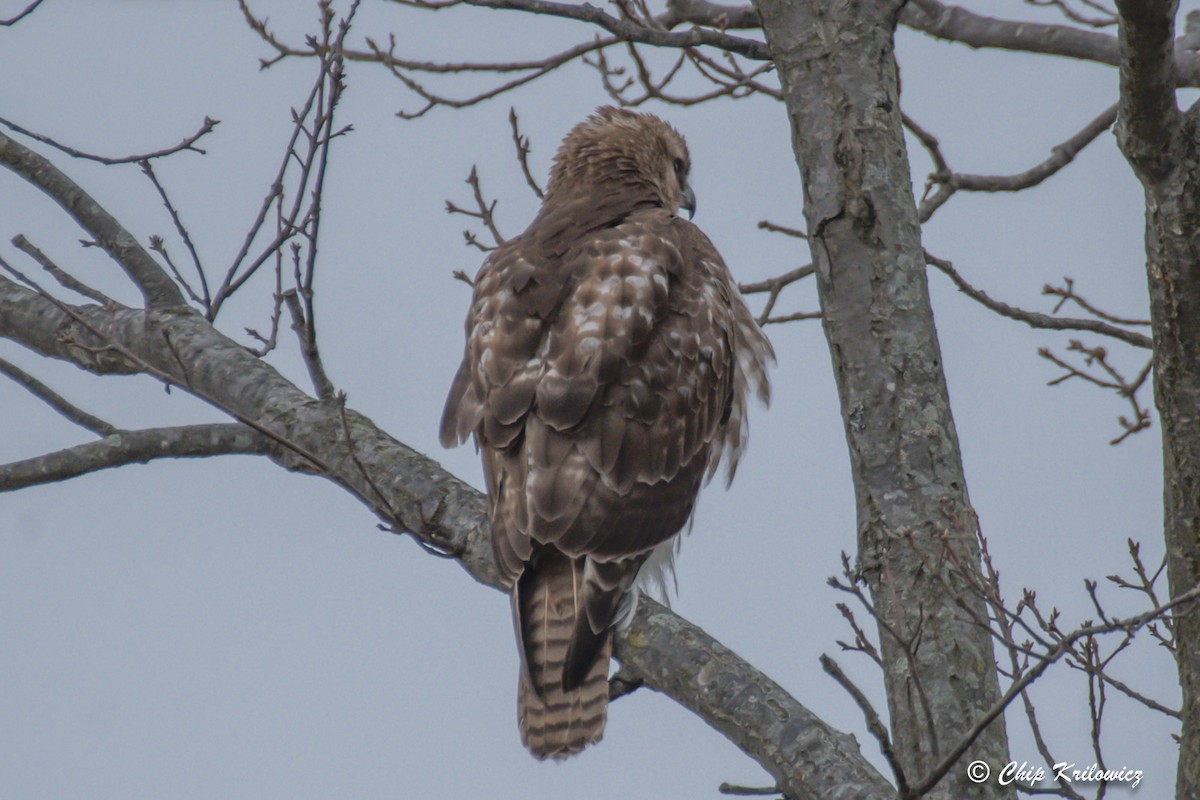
(557,716)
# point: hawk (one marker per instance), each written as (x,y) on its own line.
(607,364)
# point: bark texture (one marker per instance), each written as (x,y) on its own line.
(838,73)
(1162,144)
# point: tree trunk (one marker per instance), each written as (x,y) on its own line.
(1163,148)
(839,79)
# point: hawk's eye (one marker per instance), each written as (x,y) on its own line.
(679,165)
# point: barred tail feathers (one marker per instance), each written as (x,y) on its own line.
(558,717)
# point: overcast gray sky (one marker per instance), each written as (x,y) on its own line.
(224,629)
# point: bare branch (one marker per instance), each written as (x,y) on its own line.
(1060,156)
(156,286)
(301,217)
(747,791)
(767,225)
(119,448)
(308,347)
(773,287)
(1106,18)
(958,24)
(1034,319)
(55,400)
(1064,645)
(625,29)
(157,245)
(862,643)
(730,80)
(713,15)
(64,279)
(1067,293)
(206,299)
(671,654)
(13,20)
(522,145)
(622,684)
(1150,119)
(948,181)
(798,316)
(1114,380)
(484,213)
(269,342)
(787,278)
(188,143)
(874,725)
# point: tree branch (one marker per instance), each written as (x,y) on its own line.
(1044,663)
(188,143)
(1034,319)
(64,279)
(1060,156)
(119,448)
(1149,117)
(626,29)
(957,24)
(56,401)
(155,284)
(29,9)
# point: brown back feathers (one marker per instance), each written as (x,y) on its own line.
(605,375)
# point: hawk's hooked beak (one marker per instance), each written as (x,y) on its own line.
(688,201)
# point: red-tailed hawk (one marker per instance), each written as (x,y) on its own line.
(606,369)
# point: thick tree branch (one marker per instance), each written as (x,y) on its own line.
(43,326)
(119,448)
(1150,119)
(837,68)
(1163,147)
(807,758)
(957,24)
(713,15)
(155,284)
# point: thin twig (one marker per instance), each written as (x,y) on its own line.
(269,342)
(188,143)
(1032,318)
(522,145)
(1130,623)
(181,229)
(308,347)
(874,725)
(1067,293)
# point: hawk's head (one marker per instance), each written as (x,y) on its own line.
(620,151)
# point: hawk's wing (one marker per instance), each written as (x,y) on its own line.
(602,386)
(601,380)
